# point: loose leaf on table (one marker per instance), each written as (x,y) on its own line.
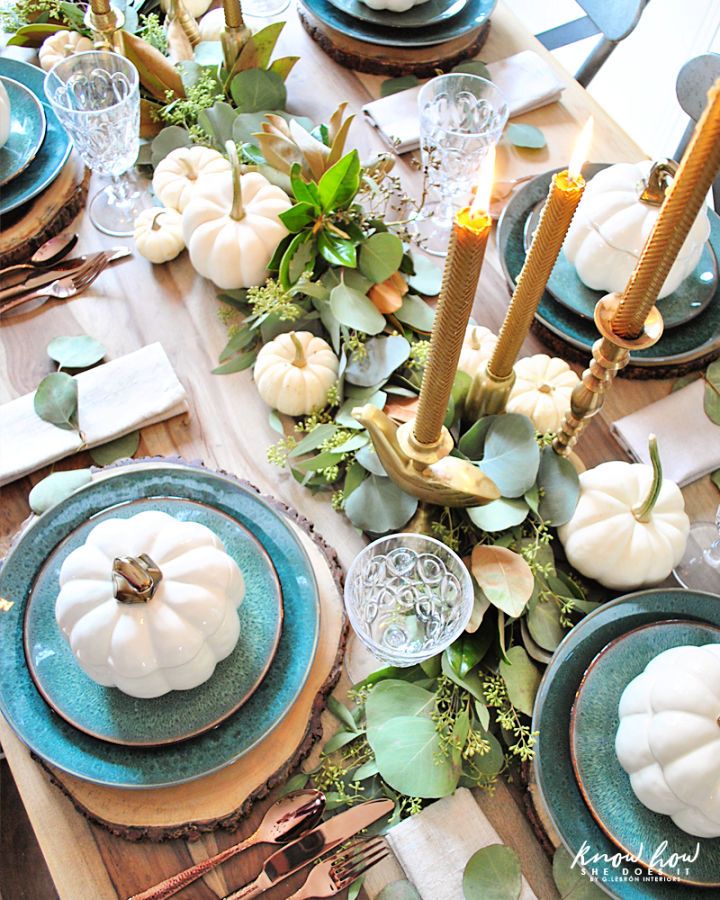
(392,699)
(395,85)
(416,313)
(684,381)
(57,487)
(505,578)
(427,279)
(355,310)
(355,888)
(570,881)
(378,505)
(56,400)
(380,256)
(493,873)
(76,352)
(560,486)
(121,448)
(499,514)
(711,401)
(521,678)
(399,890)
(258,89)
(383,355)
(715,478)
(527,136)
(511,455)
(473,67)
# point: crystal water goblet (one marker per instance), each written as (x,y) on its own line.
(408,597)
(461,117)
(263,9)
(96,97)
(699,569)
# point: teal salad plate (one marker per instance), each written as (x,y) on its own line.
(108,713)
(38,553)
(27,130)
(427,13)
(604,784)
(473,14)
(53,153)
(558,787)
(695,339)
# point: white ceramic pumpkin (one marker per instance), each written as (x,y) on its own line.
(542,390)
(169,631)
(630,527)
(233,228)
(60,45)
(397,6)
(294,372)
(212,25)
(158,234)
(612,224)
(668,740)
(5,119)
(186,172)
(195,7)
(478,345)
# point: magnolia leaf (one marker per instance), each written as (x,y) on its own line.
(337,251)
(392,699)
(505,578)
(218,121)
(427,279)
(258,49)
(121,448)
(381,357)
(543,623)
(76,352)
(472,443)
(711,401)
(157,74)
(558,481)
(340,183)
(56,487)
(466,652)
(473,67)
(167,140)
(493,873)
(403,409)
(521,678)
(150,128)
(34,35)
(379,505)
(715,478)
(258,89)
(527,136)
(368,459)
(416,313)
(355,310)
(56,400)
(399,890)
(380,256)
(570,880)
(511,455)
(283,65)
(499,514)
(395,85)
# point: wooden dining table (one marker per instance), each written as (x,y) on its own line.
(135,303)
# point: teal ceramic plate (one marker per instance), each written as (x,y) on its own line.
(556,781)
(111,715)
(603,782)
(427,13)
(474,14)
(682,344)
(27,130)
(53,154)
(139,767)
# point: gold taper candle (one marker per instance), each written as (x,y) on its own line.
(103,20)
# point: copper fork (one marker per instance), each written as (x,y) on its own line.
(63,288)
(342,868)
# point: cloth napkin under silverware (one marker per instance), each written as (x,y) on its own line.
(434,846)
(525,79)
(688,441)
(114,399)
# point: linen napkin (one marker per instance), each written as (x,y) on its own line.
(434,846)
(688,441)
(525,79)
(138,389)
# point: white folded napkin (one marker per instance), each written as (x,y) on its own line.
(114,399)
(688,441)
(434,846)
(525,79)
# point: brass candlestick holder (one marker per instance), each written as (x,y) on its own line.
(104,20)
(236,33)
(179,11)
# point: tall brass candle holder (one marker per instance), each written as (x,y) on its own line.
(631,321)
(179,11)
(104,20)
(236,33)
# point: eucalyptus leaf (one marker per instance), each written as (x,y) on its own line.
(570,880)
(399,890)
(245,126)
(56,487)
(511,455)
(380,256)
(378,505)
(504,576)
(367,770)
(395,85)
(559,484)
(258,89)
(489,765)
(543,623)
(354,442)
(711,400)
(344,415)
(313,440)
(56,400)
(473,67)
(121,448)
(355,310)
(472,443)
(416,313)
(275,422)
(357,281)
(368,459)
(338,740)
(381,357)
(493,873)
(471,681)
(521,678)
(684,381)
(355,888)
(499,514)
(354,475)
(218,121)
(427,279)
(76,352)
(535,651)
(296,783)
(392,699)
(166,141)
(208,53)
(526,136)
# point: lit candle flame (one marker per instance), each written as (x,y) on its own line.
(581,150)
(483,187)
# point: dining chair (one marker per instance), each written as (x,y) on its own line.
(613,19)
(693,82)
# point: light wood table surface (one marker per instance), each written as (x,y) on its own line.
(134,304)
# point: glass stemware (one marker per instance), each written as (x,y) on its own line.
(699,569)
(461,117)
(95,95)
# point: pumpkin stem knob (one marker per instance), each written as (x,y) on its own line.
(658,181)
(545,388)
(643,512)
(237,211)
(187,168)
(135,578)
(300,359)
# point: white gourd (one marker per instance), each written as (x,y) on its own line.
(612,224)
(158,234)
(186,172)
(174,640)
(542,390)
(212,25)
(397,6)
(294,372)
(60,45)
(630,527)
(668,740)
(233,228)
(196,8)
(478,345)
(5,115)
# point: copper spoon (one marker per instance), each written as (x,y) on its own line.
(46,255)
(285,820)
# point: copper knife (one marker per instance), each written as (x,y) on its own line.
(312,845)
(61,270)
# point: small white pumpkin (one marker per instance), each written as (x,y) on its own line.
(5,117)
(233,227)
(613,222)
(668,740)
(542,390)
(186,172)
(60,45)
(212,25)
(629,528)
(295,371)
(478,345)
(196,8)
(396,6)
(171,635)
(158,234)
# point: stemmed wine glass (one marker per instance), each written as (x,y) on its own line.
(699,569)
(96,97)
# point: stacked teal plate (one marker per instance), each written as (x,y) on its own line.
(27,130)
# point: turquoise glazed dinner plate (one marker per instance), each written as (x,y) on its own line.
(62,745)
(27,130)
(108,713)
(604,783)
(696,339)
(53,153)
(427,13)
(558,787)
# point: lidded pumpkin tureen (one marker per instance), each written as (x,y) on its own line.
(149,604)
